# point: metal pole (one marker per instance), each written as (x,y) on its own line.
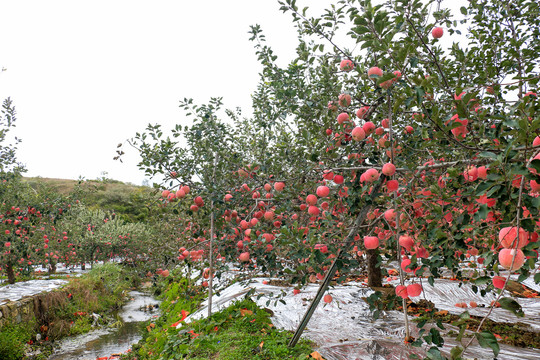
(349,240)
(211,255)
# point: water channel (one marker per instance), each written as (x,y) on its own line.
(104,342)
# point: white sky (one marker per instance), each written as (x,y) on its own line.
(86,75)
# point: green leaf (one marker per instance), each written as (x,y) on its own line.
(482,280)
(535,164)
(419,94)
(482,212)
(537,278)
(489,341)
(463,10)
(456,352)
(512,305)
(488,154)
(434,353)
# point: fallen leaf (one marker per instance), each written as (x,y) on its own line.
(245,312)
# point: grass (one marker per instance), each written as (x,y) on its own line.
(242,331)
(13,339)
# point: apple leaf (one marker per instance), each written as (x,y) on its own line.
(535,164)
(512,305)
(456,352)
(489,341)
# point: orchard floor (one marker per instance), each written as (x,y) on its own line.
(345,329)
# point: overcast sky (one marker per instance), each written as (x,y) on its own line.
(86,75)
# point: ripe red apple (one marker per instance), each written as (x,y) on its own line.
(311,199)
(198,201)
(389,169)
(358,134)
(401,291)
(374,71)
(346,65)
(414,290)
(406,241)
(371,175)
(327,298)
(505,259)
(404,266)
(371,242)
(279,186)
(342,118)
(437,32)
(360,113)
(482,172)
(392,185)
(323,191)
(508,235)
(314,211)
(244,257)
(390,215)
(344,99)
(368,127)
(338,179)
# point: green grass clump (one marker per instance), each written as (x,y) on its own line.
(242,331)
(13,339)
(100,291)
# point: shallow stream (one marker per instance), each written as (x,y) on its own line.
(104,342)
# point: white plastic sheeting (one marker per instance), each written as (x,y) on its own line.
(345,329)
(19,290)
(446,293)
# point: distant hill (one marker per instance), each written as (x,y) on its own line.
(66,186)
(130,201)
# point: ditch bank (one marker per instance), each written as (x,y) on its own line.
(29,326)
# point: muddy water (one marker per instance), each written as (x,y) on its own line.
(104,342)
